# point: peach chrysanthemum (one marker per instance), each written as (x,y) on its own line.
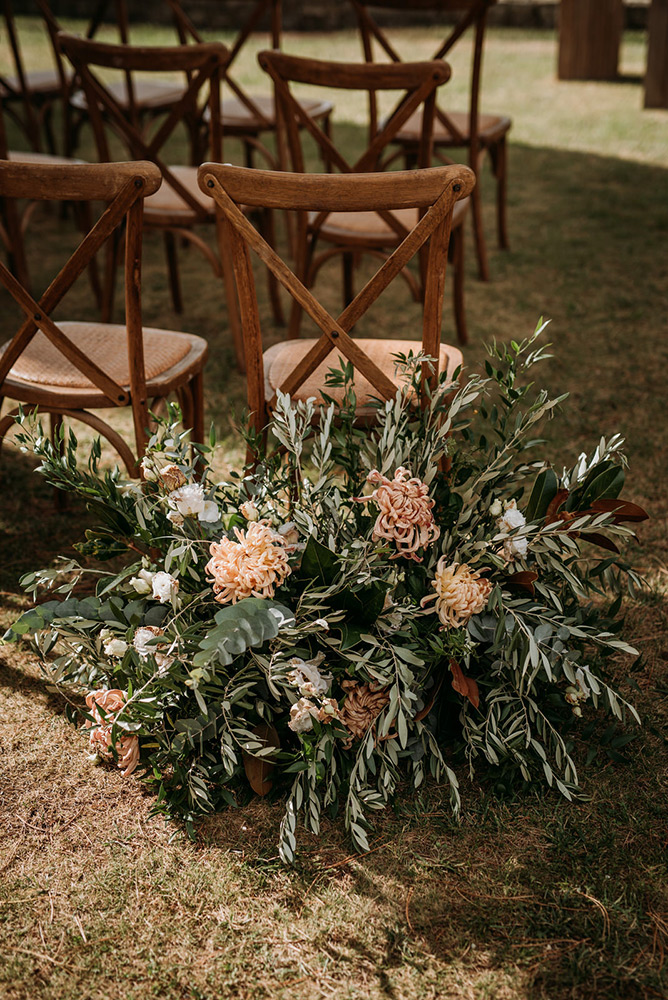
(460,593)
(253,566)
(405,516)
(126,746)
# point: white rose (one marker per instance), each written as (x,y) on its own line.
(115,647)
(147,470)
(143,582)
(302,715)
(142,637)
(210,511)
(496,509)
(306,676)
(290,537)
(249,511)
(513,547)
(187,500)
(165,587)
(511,520)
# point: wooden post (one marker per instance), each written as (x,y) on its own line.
(590,32)
(656,78)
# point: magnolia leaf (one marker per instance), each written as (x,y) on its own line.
(319,563)
(622,510)
(555,503)
(544,489)
(525,580)
(258,769)
(598,539)
(463,685)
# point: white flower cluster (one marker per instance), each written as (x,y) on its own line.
(509,521)
(311,684)
(161,586)
(188,501)
(144,644)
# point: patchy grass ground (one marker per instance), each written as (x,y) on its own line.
(527,897)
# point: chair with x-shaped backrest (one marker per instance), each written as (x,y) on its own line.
(30,95)
(69,368)
(178,208)
(246,115)
(15,218)
(299,367)
(349,235)
(141,98)
(471,130)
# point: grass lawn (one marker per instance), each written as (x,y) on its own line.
(528,896)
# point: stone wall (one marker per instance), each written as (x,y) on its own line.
(328,15)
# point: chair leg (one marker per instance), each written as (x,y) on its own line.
(173,269)
(457,245)
(478,232)
(499,158)
(348,262)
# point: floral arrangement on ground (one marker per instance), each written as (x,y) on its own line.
(357,606)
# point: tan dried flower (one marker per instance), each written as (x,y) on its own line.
(253,566)
(171,477)
(127,745)
(405,516)
(363,705)
(460,593)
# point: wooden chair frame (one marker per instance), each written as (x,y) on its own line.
(37,95)
(137,107)
(472,14)
(434,191)
(259,122)
(123,186)
(417,83)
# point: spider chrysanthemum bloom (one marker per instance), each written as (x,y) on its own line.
(127,745)
(460,592)
(405,516)
(252,566)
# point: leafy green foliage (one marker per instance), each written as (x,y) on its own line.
(356,654)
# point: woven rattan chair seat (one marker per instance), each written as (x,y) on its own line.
(41,81)
(104,343)
(281,359)
(168,202)
(342,227)
(149,95)
(490,128)
(235,115)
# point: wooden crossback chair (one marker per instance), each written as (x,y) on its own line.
(371,232)
(69,368)
(29,96)
(250,116)
(14,219)
(299,367)
(178,207)
(471,130)
(141,99)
